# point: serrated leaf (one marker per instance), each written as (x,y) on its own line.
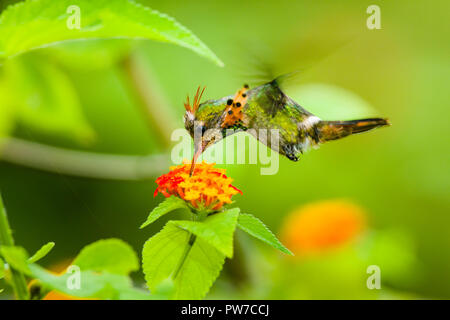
(217,230)
(90,55)
(45,98)
(42,252)
(161,256)
(2,269)
(111,255)
(168,205)
(52,22)
(256,228)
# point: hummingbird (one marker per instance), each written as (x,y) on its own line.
(265,107)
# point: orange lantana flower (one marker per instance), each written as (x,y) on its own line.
(207,188)
(323,225)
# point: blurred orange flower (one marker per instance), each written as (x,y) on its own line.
(322,225)
(55,295)
(207,188)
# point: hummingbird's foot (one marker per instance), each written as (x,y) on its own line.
(291,152)
(292,157)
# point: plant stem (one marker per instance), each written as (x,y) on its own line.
(197,216)
(19,283)
(81,163)
(186,251)
(149,96)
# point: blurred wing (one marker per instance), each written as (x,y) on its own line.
(272,99)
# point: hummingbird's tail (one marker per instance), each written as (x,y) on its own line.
(332,130)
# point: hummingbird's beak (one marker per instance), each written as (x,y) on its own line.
(198,149)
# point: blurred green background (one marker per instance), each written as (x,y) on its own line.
(400,175)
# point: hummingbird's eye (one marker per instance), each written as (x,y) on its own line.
(203,130)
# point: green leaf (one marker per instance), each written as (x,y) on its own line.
(217,230)
(42,252)
(256,228)
(166,287)
(2,269)
(110,255)
(90,55)
(50,20)
(45,98)
(168,205)
(92,284)
(162,254)
(17,257)
(95,283)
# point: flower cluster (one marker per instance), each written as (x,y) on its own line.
(208,187)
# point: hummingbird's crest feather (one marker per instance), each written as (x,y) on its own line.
(198,95)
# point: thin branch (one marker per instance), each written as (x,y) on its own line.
(18,281)
(155,107)
(80,163)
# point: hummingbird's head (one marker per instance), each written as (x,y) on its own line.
(207,123)
(198,123)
